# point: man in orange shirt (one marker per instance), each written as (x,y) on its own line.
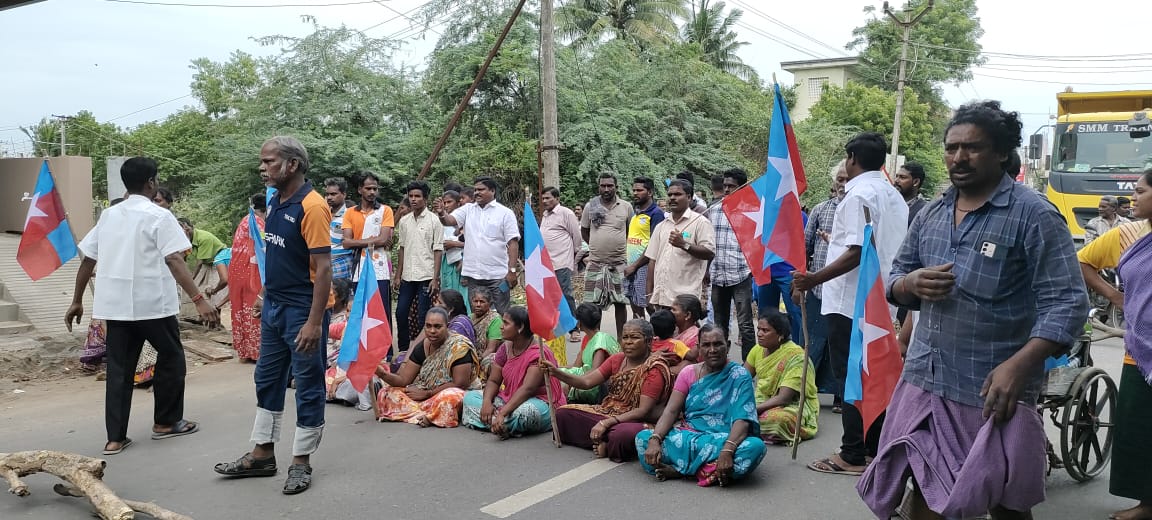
(368,231)
(293,317)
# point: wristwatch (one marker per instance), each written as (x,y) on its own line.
(686,246)
(512,270)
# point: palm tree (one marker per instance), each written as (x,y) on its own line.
(644,22)
(709,28)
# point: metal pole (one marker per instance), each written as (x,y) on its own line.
(906,24)
(550,149)
(471,90)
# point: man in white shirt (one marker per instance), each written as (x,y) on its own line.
(869,198)
(561,232)
(140,247)
(491,242)
(418,262)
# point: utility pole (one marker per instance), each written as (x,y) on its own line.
(550,147)
(63,126)
(906,24)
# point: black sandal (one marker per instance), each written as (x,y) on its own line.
(248,466)
(299,479)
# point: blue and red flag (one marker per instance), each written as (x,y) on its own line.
(874,362)
(260,247)
(548,310)
(367,335)
(765,214)
(47,242)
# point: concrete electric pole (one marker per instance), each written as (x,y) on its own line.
(906,24)
(549,146)
(63,126)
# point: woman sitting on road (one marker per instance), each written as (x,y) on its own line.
(718,440)
(429,388)
(688,312)
(514,400)
(486,322)
(595,349)
(638,384)
(458,320)
(778,364)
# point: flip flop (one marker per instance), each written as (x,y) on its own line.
(182,427)
(832,468)
(123,446)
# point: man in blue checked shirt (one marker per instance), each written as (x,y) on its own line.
(992,269)
(335,193)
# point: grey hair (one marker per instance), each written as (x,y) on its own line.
(840,166)
(1111,201)
(644,326)
(289,148)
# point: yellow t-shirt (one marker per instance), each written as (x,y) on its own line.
(1104,252)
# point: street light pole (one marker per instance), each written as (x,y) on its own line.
(906,24)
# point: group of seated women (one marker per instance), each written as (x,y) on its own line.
(683,411)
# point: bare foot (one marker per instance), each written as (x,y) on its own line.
(600,449)
(667,473)
(424,422)
(1143,511)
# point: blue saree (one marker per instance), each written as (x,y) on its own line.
(714,402)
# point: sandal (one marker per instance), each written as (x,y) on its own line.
(827,465)
(181,427)
(299,479)
(124,444)
(247,466)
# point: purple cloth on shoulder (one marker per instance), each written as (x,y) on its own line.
(1137,303)
(964,464)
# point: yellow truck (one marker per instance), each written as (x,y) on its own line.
(1101,145)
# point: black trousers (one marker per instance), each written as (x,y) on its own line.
(125,340)
(856,444)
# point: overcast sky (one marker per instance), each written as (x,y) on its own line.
(129,62)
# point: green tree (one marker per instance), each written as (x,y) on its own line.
(711,29)
(181,144)
(85,136)
(644,22)
(944,47)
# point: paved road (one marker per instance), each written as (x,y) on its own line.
(398,471)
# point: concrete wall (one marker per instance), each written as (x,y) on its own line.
(837,75)
(73,179)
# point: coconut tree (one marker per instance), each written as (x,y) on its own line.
(644,22)
(711,29)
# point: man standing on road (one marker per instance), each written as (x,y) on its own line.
(729,272)
(871,199)
(816,235)
(418,262)
(293,318)
(368,227)
(561,231)
(335,193)
(140,247)
(648,216)
(993,271)
(604,225)
(681,247)
(1125,207)
(908,181)
(1109,218)
(491,242)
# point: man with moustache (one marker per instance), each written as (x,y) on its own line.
(681,247)
(335,194)
(293,319)
(647,216)
(604,225)
(491,242)
(368,230)
(560,230)
(993,271)
(908,181)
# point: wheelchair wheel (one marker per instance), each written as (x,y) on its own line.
(1086,424)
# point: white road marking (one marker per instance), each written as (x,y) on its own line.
(507,507)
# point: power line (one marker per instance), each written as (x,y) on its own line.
(398,13)
(397,17)
(1061,82)
(781,41)
(1008,55)
(128,145)
(148,108)
(789,27)
(241,6)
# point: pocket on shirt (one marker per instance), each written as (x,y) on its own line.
(989,264)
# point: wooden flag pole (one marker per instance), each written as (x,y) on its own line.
(803,372)
(551,402)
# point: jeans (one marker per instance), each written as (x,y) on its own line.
(768,297)
(818,348)
(279,325)
(411,293)
(125,340)
(741,294)
(856,444)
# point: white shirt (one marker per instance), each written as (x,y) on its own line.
(487,232)
(889,213)
(129,244)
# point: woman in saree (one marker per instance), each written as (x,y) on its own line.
(429,388)
(487,324)
(1128,248)
(453,248)
(514,401)
(638,384)
(718,440)
(777,364)
(458,320)
(594,350)
(244,285)
(688,312)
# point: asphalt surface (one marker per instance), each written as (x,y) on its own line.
(398,471)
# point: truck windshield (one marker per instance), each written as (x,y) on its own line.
(1099,147)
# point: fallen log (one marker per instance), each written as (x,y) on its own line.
(83,475)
